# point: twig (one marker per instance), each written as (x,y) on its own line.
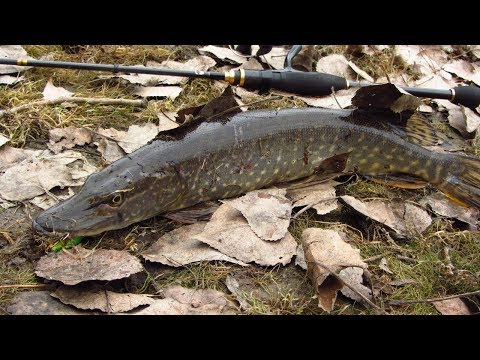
(404,302)
(24,286)
(339,278)
(333,94)
(449,266)
(376,257)
(85,100)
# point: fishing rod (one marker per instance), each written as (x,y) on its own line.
(287,79)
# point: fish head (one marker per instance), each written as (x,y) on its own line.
(108,203)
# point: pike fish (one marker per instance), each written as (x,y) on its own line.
(209,160)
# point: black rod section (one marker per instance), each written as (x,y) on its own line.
(114,68)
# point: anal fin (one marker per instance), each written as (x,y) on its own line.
(398,180)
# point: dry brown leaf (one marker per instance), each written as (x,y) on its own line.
(10,156)
(166,121)
(234,287)
(442,205)
(384,266)
(79,264)
(109,149)
(158,91)
(321,197)
(464,69)
(342,97)
(245,94)
(40,303)
(99,299)
(385,96)
(200,298)
(435,82)
(267,212)
(52,92)
(463,119)
(172,307)
(34,176)
(300,257)
(424,59)
(229,233)
(275,58)
(223,53)
(178,248)
(334,64)
(3,140)
(133,139)
(403,218)
(10,80)
(454,306)
(13,52)
(251,64)
(46,201)
(67,138)
(327,248)
(353,276)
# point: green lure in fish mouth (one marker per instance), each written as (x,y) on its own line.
(211,160)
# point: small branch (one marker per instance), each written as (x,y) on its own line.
(377,257)
(405,302)
(22,286)
(333,94)
(82,100)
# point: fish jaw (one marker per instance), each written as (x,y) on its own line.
(68,217)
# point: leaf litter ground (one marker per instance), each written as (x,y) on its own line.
(417,262)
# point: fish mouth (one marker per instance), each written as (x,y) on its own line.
(40,229)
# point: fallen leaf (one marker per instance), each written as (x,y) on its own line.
(443,206)
(403,218)
(158,91)
(384,266)
(134,138)
(334,64)
(200,298)
(425,59)
(342,97)
(99,299)
(435,82)
(267,212)
(385,96)
(251,64)
(464,69)
(224,54)
(353,276)
(83,265)
(110,150)
(3,140)
(321,197)
(68,138)
(52,92)
(36,175)
(245,94)
(10,80)
(230,233)
(178,248)
(40,303)
(300,257)
(463,119)
(327,248)
(166,121)
(454,306)
(13,52)
(275,58)
(46,201)
(172,307)
(234,287)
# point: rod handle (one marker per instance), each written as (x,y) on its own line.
(298,82)
(466,95)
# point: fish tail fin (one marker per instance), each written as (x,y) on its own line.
(464,187)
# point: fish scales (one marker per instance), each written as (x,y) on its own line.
(221,159)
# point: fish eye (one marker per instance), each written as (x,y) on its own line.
(116,200)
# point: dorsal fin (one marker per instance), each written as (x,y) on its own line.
(420,131)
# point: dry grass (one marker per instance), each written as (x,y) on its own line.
(279,290)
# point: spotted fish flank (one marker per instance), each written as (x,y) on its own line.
(228,157)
